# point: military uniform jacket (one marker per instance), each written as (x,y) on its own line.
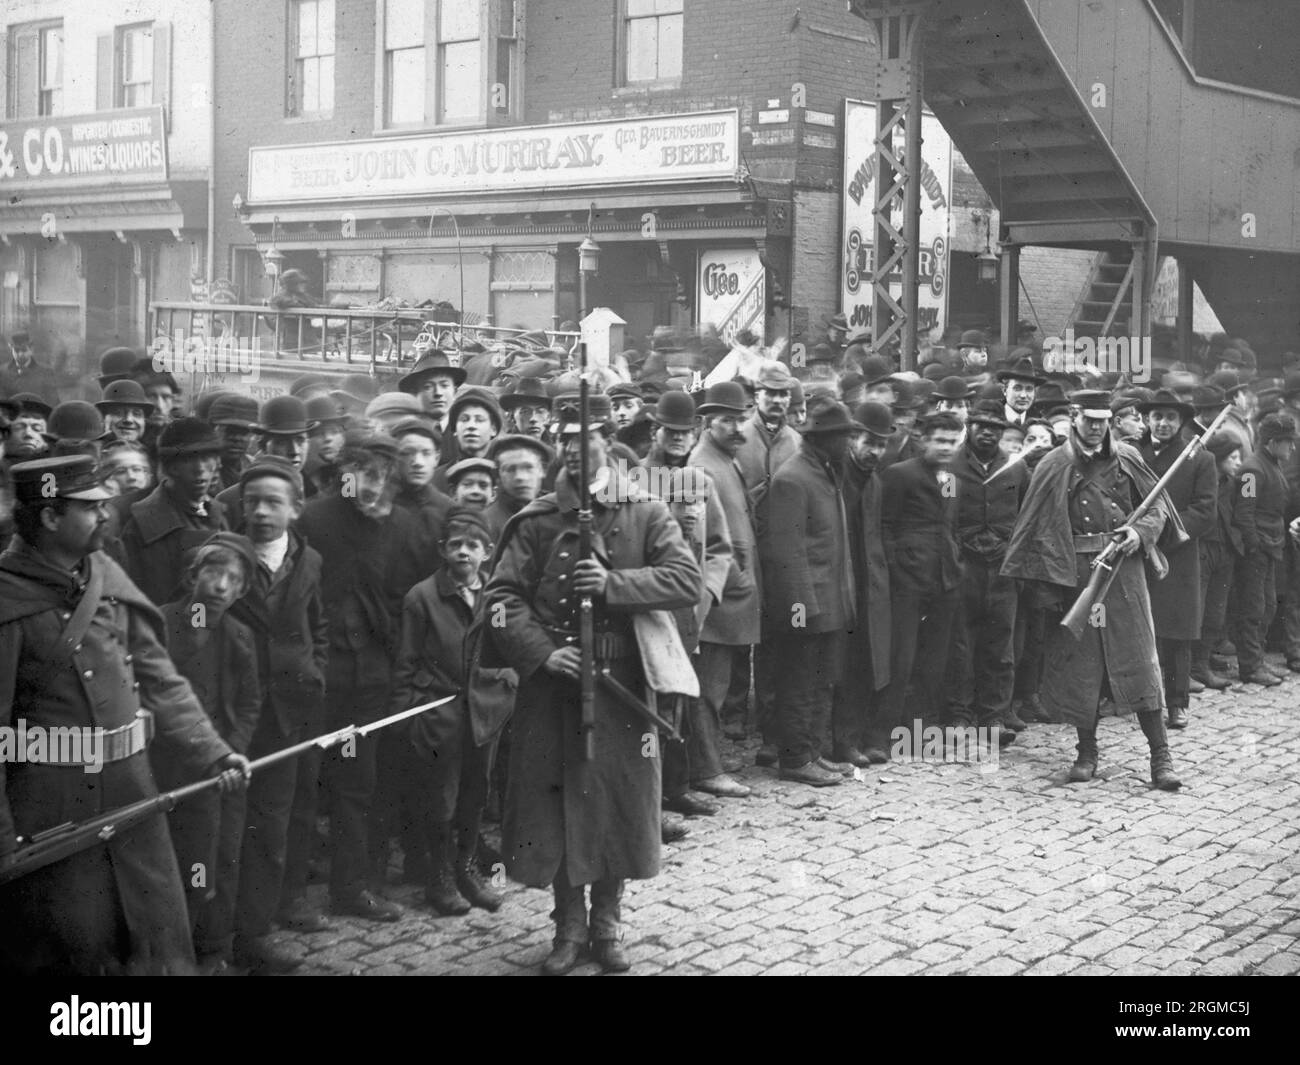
(1176,602)
(65,917)
(600,818)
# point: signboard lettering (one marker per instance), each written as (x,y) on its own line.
(117,148)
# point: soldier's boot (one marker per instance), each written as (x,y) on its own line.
(469,880)
(570,917)
(606,913)
(1162,763)
(1085,765)
(440,892)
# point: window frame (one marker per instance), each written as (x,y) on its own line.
(621,44)
(293,87)
(491,34)
(119,64)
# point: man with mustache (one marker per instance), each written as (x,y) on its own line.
(178,515)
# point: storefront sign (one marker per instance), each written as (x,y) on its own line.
(731,291)
(859,226)
(634,151)
(106,148)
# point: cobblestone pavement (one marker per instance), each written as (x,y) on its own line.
(932,868)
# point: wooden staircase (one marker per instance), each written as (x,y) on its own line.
(1105,306)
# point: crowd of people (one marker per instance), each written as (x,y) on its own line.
(815,549)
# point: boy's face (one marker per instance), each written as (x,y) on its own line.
(464,554)
(218,584)
(417,459)
(474,489)
(327,442)
(269,509)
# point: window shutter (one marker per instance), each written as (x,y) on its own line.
(26,75)
(105,74)
(5,74)
(162,65)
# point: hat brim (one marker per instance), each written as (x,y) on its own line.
(105,406)
(306,428)
(1011,375)
(987,419)
(411,382)
(510,402)
(102,438)
(719,408)
(96,494)
(826,430)
(1187,410)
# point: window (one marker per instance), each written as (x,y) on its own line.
(35,63)
(460,60)
(134,66)
(449,62)
(311,49)
(652,41)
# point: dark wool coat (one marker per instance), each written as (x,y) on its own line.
(155,539)
(735,618)
(807,568)
(118,907)
(1176,602)
(1123,650)
(600,818)
(919,521)
(1259,505)
(870,634)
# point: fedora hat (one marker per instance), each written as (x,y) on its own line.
(675,410)
(528,391)
(952,388)
(726,397)
(284,416)
(1021,368)
(433,362)
(876,418)
(830,416)
(1165,397)
(774,377)
(1228,381)
(987,412)
(125,392)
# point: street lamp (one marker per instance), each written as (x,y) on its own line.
(273,257)
(986,262)
(588,266)
(460,271)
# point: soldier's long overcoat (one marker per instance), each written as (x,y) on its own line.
(601,818)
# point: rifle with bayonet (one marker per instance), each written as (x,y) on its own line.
(586,608)
(63,841)
(1106,565)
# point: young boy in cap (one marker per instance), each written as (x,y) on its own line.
(473,483)
(216,654)
(453,747)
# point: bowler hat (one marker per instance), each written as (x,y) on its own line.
(457,470)
(906,396)
(299,385)
(521,440)
(30,403)
(431,363)
(675,410)
(726,397)
(1021,369)
(953,388)
(232,408)
(876,369)
(830,416)
(116,364)
(987,412)
(528,392)
(284,416)
(1165,397)
(875,418)
(75,419)
(324,411)
(1228,381)
(124,392)
(203,402)
(64,477)
(1231,356)
(188,436)
(973,338)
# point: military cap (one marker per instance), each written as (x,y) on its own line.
(65,477)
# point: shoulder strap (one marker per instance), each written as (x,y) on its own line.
(81,617)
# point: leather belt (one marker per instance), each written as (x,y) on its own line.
(607,645)
(111,745)
(1091,543)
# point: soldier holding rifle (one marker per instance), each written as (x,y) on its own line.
(1086,500)
(582,806)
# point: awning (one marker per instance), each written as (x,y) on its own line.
(174,206)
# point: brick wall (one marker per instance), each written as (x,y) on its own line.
(815,252)
(1053,279)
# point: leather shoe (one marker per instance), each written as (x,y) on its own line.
(610,955)
(876,756)
(733,765)
(690,805)
(262,958)
(1177,717)
(842,768)
(1012,722)
(1194,686)
(366,905)
(1030,709)
(811,773)
(301,917)
(724,786)
(1213,680)
(563,957)
(1261,677)
(1220,664)
(852,756)
(767,755)
(671,830)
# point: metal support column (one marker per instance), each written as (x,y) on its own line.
(1186,311)
(897,210)
(1009,293)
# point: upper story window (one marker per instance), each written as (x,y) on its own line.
(652,41)
(311,57)
(449,62)
(35,63)
(134,86)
